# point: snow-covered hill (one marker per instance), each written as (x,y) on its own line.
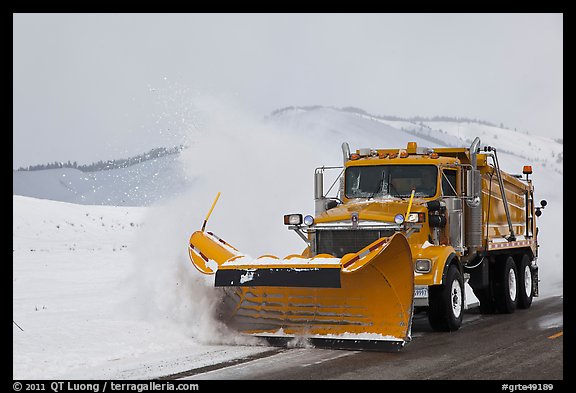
(319,131)
(136,185)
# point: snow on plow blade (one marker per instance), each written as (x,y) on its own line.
(362,300)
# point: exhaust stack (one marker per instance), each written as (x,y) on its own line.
(319,199)
(345,152)
(473,236)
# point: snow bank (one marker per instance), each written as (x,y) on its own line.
(75,298)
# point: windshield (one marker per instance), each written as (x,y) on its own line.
(394,180)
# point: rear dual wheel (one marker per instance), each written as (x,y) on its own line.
(513,287)
(525,287)
(506,286)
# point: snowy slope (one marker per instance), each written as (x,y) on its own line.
(547,153)
(137,185)
(81,311)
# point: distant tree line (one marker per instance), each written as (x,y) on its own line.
(413,119)
(291,108)
(420,119)
(109,164)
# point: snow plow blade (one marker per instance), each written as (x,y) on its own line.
(362,300)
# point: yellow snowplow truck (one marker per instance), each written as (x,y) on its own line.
(405,231)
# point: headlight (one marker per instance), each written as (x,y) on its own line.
(308,220)
(293,219)
(398,219)
(423,265)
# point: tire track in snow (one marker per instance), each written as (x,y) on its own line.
(218,366)
(272,361)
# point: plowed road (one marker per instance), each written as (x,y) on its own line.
(526,345)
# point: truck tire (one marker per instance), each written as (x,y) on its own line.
(506,285)
(446,302)
(525,288)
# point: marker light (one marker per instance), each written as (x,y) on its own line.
(398,219)
(416,217)
(308,220)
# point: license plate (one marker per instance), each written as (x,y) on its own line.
(421,292)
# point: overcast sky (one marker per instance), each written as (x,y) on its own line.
(100,86)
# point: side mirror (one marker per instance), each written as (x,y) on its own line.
(543,203)
(474,188)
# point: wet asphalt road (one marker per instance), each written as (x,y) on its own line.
(525,345)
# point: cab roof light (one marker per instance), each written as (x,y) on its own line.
(403,154)
(411,147)
(527,170)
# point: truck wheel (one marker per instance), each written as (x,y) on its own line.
(446,302)
(525,290)
(506,287)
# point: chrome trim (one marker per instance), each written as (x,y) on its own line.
(340,225)
(345,152)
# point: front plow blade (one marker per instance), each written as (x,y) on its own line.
(363,299)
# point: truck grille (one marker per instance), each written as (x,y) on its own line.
(341,242)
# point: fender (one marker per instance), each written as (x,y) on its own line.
(449,262)
(441,257)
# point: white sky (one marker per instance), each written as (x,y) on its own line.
(98,86)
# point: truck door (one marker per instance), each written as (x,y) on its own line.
(454,207)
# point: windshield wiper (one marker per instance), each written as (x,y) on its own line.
(380,183)
(395,190)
